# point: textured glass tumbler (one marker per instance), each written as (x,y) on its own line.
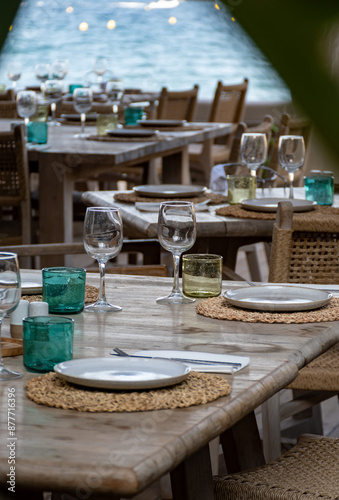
(241,188)
(319,187)
(37,132)
(106,122)
(202,275)
(47,341)
(133,114)
(63,288)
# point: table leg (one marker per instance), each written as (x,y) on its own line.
(175,168)
(242,446)
(192,479)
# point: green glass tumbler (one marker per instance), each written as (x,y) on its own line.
(47,341)
(202,275)
(63,288)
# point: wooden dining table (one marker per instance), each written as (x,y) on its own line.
(115,455)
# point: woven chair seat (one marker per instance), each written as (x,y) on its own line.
(308,471)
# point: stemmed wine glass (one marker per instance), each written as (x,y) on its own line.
(53,94)
(10,292)
(42,71)
(253,150)
(14,72)
(26,105)
(59,69)
(102,241)
(291,155)
(99,67)
(82,102)
(176,233)
(115,91)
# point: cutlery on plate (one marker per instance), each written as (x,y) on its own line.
(183,360)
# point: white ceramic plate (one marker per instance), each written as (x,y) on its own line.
(162,123)
(31,283)
(122,373)
(271,204)
(241,361)
(277,298)
(125,132)
(169,190)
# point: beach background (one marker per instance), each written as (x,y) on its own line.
(148,45)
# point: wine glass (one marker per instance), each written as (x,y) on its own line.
(291,155)
(14,72)
(102,241)
(59,69)
(42,71)
(26,105)
(10,292)
(253,150)
(82,102)
(53,94)
(99,67)
(115,91)
(176,233)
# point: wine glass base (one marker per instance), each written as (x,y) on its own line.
(54,123)
(81,135)
(102,307)
(175,298)
(6,375)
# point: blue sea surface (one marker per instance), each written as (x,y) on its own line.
(203,45)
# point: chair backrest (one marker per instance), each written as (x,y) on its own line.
(228,102)
(14,183)
(177,105)
(304,249)
(8,109)
(9,95)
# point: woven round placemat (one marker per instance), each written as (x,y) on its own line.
(109,138)
(132,197)
(197,389)
(91,295)
(242,213)
(218,308)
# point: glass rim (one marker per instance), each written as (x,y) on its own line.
(7,255)
(63,269)
(103,209)
(202,256)
(177,203)
(45,320)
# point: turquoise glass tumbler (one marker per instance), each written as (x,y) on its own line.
(319,187)
(37,132)
(133,115)
(47,341)
(63,288)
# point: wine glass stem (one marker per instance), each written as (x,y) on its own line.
(53,108)
(176,261)
(291,179)
(83,120)
(26,120)
(102,292)
(1,360)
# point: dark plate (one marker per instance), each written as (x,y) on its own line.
(124,132)
(162,123)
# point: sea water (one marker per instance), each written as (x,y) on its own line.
(147,44)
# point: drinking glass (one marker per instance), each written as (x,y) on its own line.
(14,72)
(59,69)
(82,102)
(99,66)
(10,292)
(253,150)
(42,71)
(53,94)
(291,155)
(102,241)
(26,105)
(176,233)
(115,91)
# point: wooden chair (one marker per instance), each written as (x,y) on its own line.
(227,107)
(8,109)
(9,95)
(177,105)
(150,250)
(309,470)
(303,251)
(15,203)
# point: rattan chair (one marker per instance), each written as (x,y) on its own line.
(310,470)
(304,250)
(15,224)
(177,105)
(8,109)
(9,95)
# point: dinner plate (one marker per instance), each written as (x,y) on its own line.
(162,123)
(277,298)
(125,132)
(31,283)
(122,372)
(76,118)
(271,204)
(169,190)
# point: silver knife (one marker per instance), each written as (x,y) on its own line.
(183,360)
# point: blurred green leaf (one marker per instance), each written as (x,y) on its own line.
(8,12)
(301,40)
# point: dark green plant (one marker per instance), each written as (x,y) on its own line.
(8,11)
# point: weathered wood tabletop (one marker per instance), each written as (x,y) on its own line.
(119,454)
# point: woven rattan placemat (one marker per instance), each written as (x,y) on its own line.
(197,389)
(242,213)
(131,197)
(218,308)
(91,295)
